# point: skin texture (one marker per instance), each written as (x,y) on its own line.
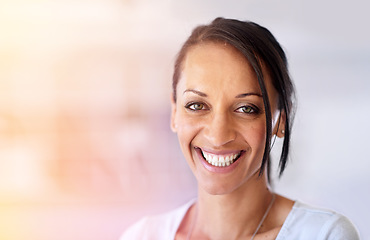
(219,109)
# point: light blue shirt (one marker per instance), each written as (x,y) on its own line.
(303,223)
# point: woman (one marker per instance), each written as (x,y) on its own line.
(232,95)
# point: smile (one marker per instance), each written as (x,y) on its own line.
(221,160)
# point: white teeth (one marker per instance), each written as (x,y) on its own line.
(219,161)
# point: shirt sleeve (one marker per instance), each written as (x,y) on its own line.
(136,231)
(339,227)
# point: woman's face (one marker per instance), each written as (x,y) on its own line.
(219,117)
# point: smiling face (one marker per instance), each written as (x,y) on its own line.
(219,117)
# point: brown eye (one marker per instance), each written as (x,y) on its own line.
(196,106)
(247,109)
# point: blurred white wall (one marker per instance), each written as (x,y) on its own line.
(85,144)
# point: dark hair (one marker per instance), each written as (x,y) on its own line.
(258,46)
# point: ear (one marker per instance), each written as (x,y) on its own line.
(173,114)
(279,129)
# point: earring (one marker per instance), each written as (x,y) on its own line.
(283,131)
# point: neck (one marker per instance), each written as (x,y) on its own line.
(233,215)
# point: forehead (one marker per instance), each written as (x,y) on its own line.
(211,53)
(219,64)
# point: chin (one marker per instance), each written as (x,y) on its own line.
(217,187)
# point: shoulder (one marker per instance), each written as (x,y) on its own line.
(307,222)
(163,226)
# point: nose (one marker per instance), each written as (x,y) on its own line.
(220,130)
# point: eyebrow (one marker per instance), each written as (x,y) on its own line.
(196,92)
(242,95)
(248,94)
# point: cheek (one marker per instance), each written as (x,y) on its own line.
(255,135)
(187,129)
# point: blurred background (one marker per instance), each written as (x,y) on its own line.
(85,143)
